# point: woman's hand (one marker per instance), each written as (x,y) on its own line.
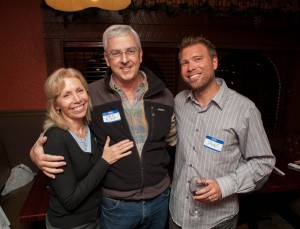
(113,153)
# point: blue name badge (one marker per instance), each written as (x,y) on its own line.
(213,143)
(111,116)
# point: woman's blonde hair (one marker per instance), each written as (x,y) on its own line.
(53,87)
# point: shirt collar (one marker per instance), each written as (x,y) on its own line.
(143,84)
(219,98)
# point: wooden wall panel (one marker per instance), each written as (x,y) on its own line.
(160,34)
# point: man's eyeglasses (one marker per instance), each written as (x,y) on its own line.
(118,53)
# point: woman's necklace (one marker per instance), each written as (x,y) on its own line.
(81,140)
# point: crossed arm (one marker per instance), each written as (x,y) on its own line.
(52,164)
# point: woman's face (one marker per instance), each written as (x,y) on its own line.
(73,100)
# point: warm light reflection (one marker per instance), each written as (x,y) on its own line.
(76,5)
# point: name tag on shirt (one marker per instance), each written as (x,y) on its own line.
(213,143)
(111,116)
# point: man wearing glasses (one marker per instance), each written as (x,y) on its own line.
(129,103)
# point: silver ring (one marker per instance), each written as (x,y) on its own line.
(209,197)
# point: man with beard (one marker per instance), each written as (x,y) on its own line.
(220,136)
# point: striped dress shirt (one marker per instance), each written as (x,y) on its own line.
(224,141)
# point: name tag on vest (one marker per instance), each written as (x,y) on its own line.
(111,116)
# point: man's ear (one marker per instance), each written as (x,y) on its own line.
(106,59)
(215,62)
(141,55)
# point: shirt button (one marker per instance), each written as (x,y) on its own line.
(193,147)
(187,197)
(197,130)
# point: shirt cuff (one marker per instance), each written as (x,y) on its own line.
(227,186)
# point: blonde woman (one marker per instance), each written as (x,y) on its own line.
(75,194)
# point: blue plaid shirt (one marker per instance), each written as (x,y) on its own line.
(134,112)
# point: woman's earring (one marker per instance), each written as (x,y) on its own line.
(57,111)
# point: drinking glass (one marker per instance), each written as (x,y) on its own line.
(196,183)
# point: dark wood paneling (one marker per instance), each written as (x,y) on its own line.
(160,34)
(19,130)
